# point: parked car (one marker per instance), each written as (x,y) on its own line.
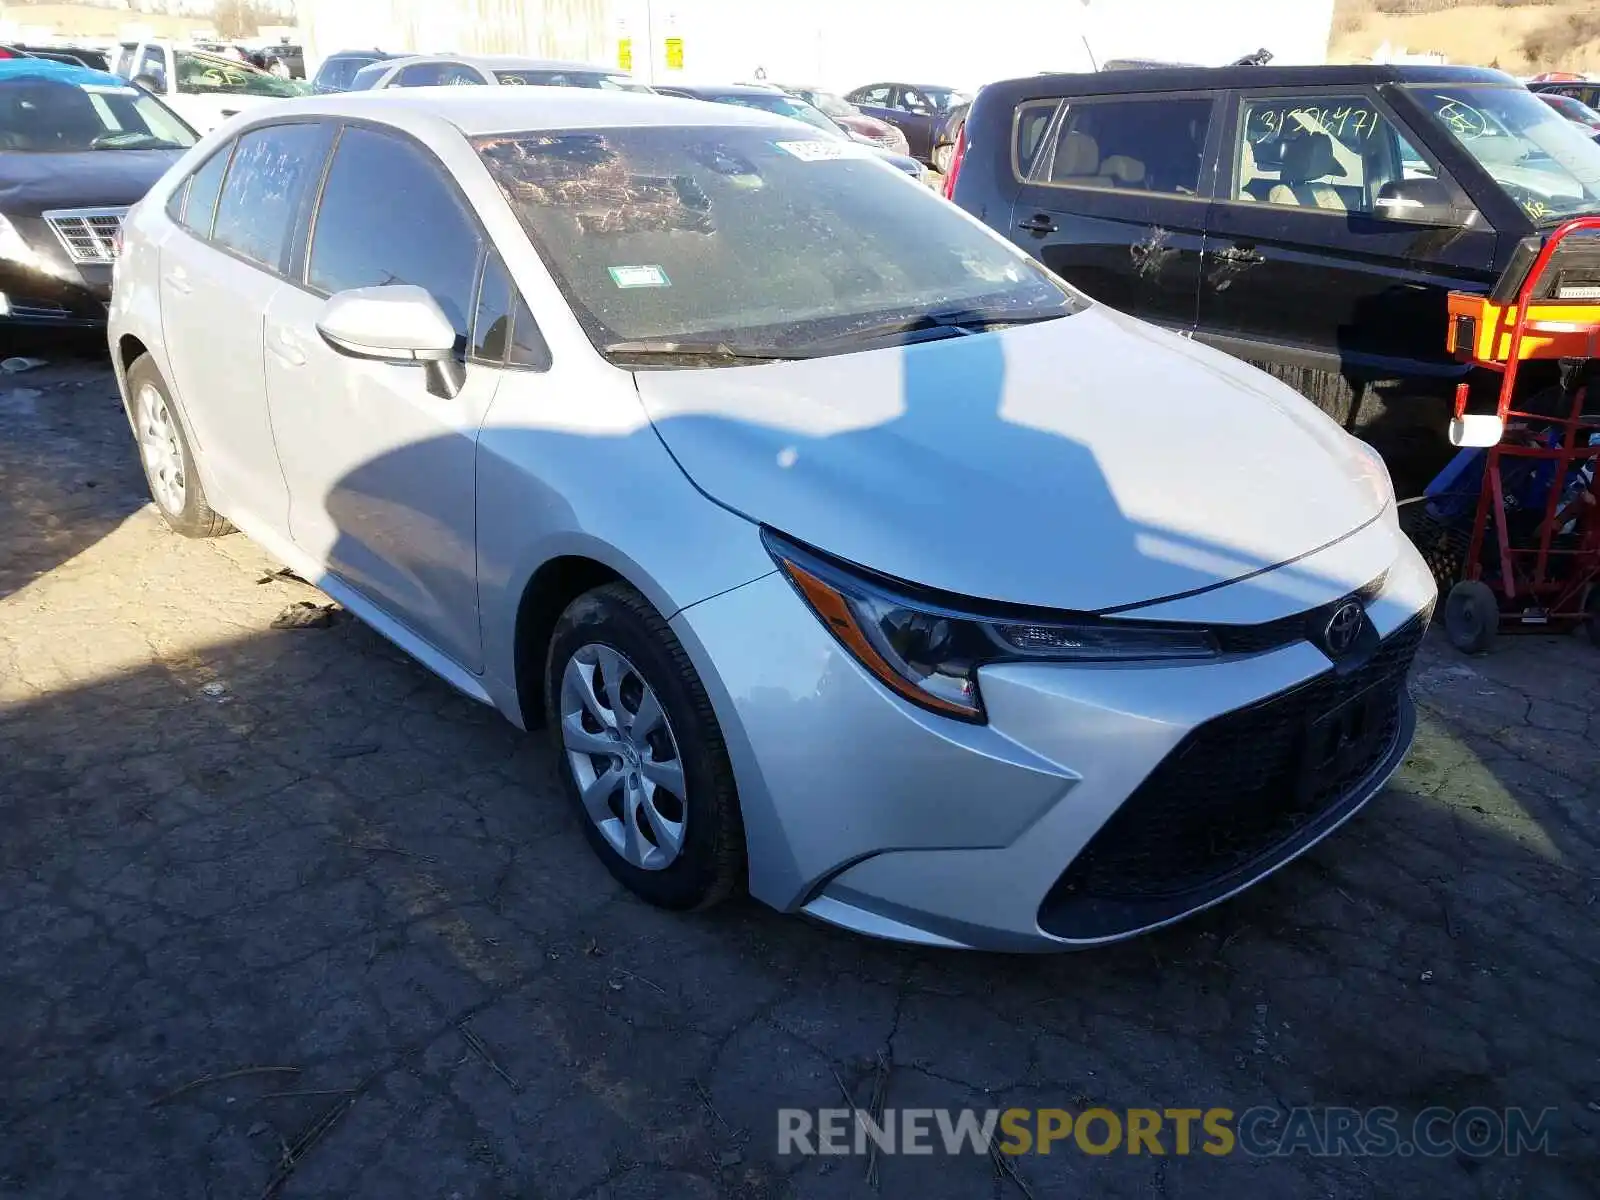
(338,71)
(914,109)
(79,55)
(205,89)
(780,103)
(1308,219)
(1576,87)
(1576,111)
(77,147)
(852,120)
(946,134)
(811,519)
(284,59)
(501,70)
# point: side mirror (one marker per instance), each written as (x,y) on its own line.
(1476,430)
(399,323)
(1416,201)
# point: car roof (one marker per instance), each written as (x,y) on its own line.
(1173,79)
(507,62)
(480,110)
(49,68)
(724,89)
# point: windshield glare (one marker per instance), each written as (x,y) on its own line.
(784,106)
(748,236)
(1539,158)
(204,74)
(580,79)
(44,115)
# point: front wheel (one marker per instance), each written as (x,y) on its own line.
(641,753)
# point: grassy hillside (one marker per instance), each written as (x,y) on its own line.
(1522,36)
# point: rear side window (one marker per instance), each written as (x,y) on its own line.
(1142,145)
(1032,127)
(204,186)
(388,215)
(436,75)
(261,202)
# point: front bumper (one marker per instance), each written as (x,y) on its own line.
(41,286)
(1097,803)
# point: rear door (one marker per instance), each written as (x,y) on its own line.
(1113,196)
(917,117)
(876,100)
(1304,268)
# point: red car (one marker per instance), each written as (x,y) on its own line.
(856,123)
(1574,110)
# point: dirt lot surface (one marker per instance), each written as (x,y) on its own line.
(280,913)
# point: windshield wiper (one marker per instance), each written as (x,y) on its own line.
(954,323)
(666,348)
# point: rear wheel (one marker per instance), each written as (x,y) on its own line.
(641,753)
(165,455)
(1472,616)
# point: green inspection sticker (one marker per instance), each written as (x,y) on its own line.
(637,277)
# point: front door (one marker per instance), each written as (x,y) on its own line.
(381,471)
(1114,197)
(1304,265)
(219,273)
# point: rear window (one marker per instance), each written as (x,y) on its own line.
(1144,145)
(756,235)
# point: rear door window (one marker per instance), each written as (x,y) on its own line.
(1142,144)
(204,186)
(437,75)
(1032,129)
(272,173)
(153,63)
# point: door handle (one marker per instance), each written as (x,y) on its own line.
(1039,223)
(287,347)
(178,281)
(1242,254)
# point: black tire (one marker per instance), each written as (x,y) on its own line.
(711,864)
(1472,617)
(196,518)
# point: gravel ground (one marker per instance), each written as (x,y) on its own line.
(280,912)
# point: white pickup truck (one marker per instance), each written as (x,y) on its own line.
(204,89)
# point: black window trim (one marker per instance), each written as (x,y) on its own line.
(300,273)
(1210,155)
(1227,165)
(487,256)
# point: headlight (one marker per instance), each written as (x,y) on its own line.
(1373,475)
(930,652)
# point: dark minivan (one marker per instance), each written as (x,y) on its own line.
(1309,219)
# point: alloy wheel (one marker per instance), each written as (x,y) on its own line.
(157,435)
(624,757)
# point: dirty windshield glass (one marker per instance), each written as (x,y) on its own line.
(201,74)
(579,79)
(40,115)
(757,237)
(1536,155)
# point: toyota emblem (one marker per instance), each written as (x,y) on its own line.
(1343,628)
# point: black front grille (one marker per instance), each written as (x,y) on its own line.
(1234,794)
(1297,627)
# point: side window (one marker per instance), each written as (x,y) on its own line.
(381,192)
(1032,126)
(1154,145)
(528,348)
(1332,153)
(491,326)
(260,205)
(124,63)
(421,75)
(914,101)
(204,186)
(878,96)
(457,74)
(153,62)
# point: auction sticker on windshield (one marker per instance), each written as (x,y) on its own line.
(809,151)
(638,277)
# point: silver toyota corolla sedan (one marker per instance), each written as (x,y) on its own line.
(848,556)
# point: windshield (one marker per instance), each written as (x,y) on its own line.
(831,105)
(1538,157)
(40,115)
(203,74)
(784,106)
(750,236)
(580,79)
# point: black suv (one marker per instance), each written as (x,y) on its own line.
(1308,219)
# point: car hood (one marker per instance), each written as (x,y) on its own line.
(1090,463)
(34,183)
(863,124)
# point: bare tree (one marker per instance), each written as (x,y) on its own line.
(238,19)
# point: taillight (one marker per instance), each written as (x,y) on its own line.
(956,156)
